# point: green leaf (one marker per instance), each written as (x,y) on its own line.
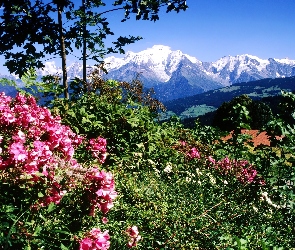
(63,247)
(40,195)
(37,230)
(62,231)
(51,207)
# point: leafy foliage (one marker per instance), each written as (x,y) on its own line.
(242,112)
(27,24)
(177,188)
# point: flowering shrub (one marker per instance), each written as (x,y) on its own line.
(178,195)
(100,189)
(241,169)
(98,147)
(193,153)
(179,202)
(189,151)
(37,156)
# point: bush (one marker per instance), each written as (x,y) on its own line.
(47,196)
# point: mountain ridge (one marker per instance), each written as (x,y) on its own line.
(174,74)
(200,104)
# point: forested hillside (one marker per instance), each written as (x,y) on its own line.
(256,90)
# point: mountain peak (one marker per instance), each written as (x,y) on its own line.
(160,47)
(175,74)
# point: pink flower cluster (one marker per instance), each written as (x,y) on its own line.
(23,122)
(133,235)
(95,240)
(190,152)
(98,147)
(241,169)
(33,143)
(100,189)
(193,153)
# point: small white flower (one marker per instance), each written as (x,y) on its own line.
(269,201)
(157,170)
(198,172)
(211,178)
(188,179)
(168,168)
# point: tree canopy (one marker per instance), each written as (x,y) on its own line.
(242,112)
(32,30)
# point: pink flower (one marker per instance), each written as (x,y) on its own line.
(19,137)
(224,165)
(100,189)
(95,240)
(106,206)
(104,220)
(210,159)
(18,152)
(8,117)
(134,236)
(36,147)
(98,148)
(85,244)
(193,153)
(241,169)
(247,175)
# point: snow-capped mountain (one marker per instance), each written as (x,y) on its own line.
(171,73)
(245,68)
(157,63)
(174,74)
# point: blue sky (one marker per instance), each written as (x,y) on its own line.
(211,29)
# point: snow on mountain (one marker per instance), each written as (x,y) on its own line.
(158,63)
(244,68)
(73,70)
(160,60)
(164,69)
(174,74)
(285,61)
(238,64)
(49,69)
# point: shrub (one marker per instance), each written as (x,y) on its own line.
(41,182)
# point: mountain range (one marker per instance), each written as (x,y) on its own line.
(174,74)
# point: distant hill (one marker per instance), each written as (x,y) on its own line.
(201,104)
(8,90)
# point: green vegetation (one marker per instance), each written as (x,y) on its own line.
(265,90)
(196,111)
(182,188)
(98,171)
(243,110)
